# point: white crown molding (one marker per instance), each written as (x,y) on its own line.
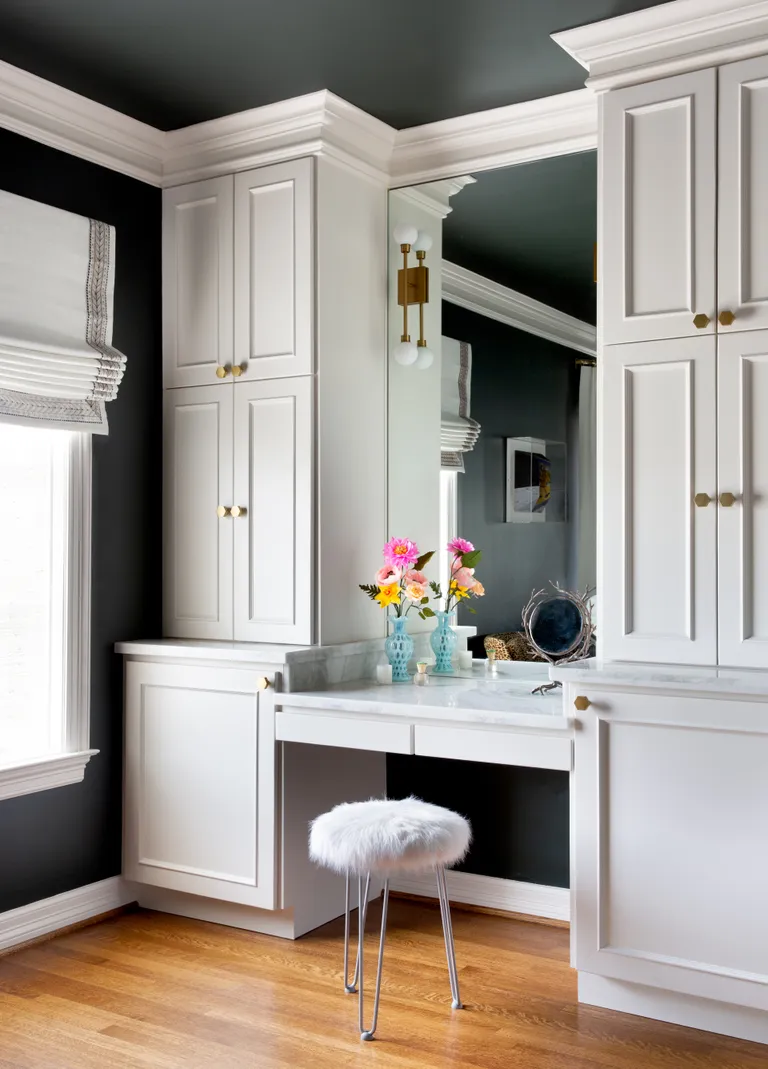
(64,120)
(30,922)
(435,197)
(477,294)
(537,900)
(669,39)
(536,129)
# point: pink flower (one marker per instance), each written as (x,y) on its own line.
(416,577)
(415,591)
(401,553)
(387,575)
(457,546)
(463,577)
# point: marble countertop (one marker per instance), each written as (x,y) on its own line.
(204,649)
(467,697)
(725,681)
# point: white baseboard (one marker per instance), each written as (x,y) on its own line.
(535,899)
(50,914)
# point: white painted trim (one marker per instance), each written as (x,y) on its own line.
(78,600)
(435,197)
(537,900)
(64,120)
(58,770)
(50,914)
(487,298)
(668,39)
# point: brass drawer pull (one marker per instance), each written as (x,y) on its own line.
(727,500)
(726,318)
(239,510)
(582,703)
(223,510)
(702,500)
(222,371)
(700,321)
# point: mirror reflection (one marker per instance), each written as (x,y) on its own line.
(492,388)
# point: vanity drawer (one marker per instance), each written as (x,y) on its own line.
(351,732)
(494,747)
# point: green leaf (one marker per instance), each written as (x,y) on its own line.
(423,617)
(427,612)
(424,601)
(423,561)
(436,589)
(471,559)
(473,611)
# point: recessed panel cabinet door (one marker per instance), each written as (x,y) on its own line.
(200,782)
(743,509)
(274,497)
(659,577)
(274,277)
(197,282)
(670,803)
(657,262)
(743,194)
(197,430)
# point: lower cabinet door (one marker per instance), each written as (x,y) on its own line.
(200,791)
(670,868)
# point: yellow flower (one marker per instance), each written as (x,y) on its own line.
(388,595)
(461,592)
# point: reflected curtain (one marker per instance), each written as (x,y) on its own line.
(586,521)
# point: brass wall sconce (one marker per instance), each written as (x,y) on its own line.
(413,288)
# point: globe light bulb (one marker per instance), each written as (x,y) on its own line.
(406,353)
(405,234)
(423,242)
(424,358)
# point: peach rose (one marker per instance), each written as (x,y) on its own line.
(415,591)
(478,589)
(416,577)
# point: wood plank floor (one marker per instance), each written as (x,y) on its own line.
(150,991)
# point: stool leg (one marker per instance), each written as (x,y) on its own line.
(367,1034)
(363,905)
(450,949)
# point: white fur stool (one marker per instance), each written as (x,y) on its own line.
(381,838)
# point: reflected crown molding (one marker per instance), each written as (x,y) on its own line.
(478,294)
(435,197)
(668,39)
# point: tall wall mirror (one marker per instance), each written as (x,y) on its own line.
(492,401)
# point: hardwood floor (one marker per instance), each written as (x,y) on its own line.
(150,991)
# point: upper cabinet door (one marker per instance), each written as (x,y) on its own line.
(743,511)
(658,583)
(273,530)
(274,253)
(743,195)
(197,568)
(197,282)
(658,221)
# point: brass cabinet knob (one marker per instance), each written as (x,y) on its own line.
(263,683)
(727,500)
(582,703)
(726,318)
(238,510)
(222,371)
(700,321)
(223,510)
(237,370)
(702,500)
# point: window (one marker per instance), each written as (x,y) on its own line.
(44,607)
(449,519)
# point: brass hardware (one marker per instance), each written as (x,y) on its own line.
(586,361)
(222,371)
(413,288)
(700,321)
(582,703)
(238,510)
(223,510)
(727,500)
(237,370)
(262,684)
(702,500)
(726,318)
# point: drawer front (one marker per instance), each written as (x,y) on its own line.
(494,747)
(350,732)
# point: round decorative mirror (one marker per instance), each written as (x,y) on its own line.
(559,626)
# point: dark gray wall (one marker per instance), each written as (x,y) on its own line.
(60,839)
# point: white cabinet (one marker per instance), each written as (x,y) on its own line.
(274,276)
(670,871)
(274,489)
(198,469)
(659,579)
(200,787)
(658,209)
(197,282)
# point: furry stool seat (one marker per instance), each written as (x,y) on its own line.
(382,837)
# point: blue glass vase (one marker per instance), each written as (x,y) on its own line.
(443,641)
(399,649)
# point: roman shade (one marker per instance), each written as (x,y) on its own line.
(57,273)
(458,433)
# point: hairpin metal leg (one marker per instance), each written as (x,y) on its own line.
(367,1034)
(450,949)
(362,904)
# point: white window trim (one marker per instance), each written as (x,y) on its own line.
(58,770)
(449,519)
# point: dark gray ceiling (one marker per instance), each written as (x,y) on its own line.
(175,62)
(533,228)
